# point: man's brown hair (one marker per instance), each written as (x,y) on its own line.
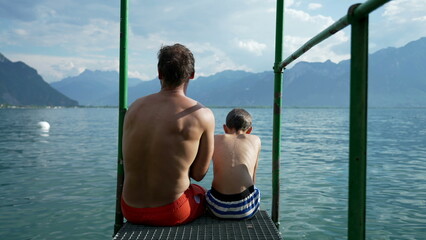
(175,64)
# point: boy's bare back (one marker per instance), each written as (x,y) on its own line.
(235,161)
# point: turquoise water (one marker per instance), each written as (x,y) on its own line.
(60,184)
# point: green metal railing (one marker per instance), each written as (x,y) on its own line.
(357,16)
(276,136)
(122,108)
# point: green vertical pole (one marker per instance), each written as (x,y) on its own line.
(276,138)
(122,105)
(358,129)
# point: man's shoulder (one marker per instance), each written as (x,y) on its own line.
(142,100)
(203,112)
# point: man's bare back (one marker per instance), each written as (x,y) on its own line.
(235,162)
(166,136)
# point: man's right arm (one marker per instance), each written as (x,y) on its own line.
(205,149)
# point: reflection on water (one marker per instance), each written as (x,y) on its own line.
(44,129)
(60,183)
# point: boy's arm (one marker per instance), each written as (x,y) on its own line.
(257,160)
(201,164)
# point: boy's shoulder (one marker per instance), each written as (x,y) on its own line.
(253,137)
(220,138)
(247,136)
(232,136)
(219,135)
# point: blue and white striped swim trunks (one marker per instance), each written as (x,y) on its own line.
(235,206)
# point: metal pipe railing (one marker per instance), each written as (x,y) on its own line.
(122,108)
(276,138)
(357,16)
(337,26)
(358,129)
(359,12)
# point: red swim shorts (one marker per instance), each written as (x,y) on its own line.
(188,207)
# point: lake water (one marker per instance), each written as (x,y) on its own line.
(60,184)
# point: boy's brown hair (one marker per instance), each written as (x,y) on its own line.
(238,119)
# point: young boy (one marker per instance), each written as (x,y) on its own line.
(235,158)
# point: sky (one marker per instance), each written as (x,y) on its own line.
(63,38)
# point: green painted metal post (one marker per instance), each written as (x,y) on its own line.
(276,138)
(122,102)
(358,127)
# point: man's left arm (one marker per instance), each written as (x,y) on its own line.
(201,164)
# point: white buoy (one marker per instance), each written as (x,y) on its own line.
(44,126)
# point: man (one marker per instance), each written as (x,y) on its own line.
(167,138)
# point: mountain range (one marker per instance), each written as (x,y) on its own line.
(22,85)
(396,79)
(91,87)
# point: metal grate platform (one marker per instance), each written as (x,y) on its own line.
(259,227)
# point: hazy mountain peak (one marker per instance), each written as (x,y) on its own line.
(3,59)
(20,84)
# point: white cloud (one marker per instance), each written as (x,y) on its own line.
(314,6)
(137,74)
(319,53)
(167,9)
(259,1)
(54,68)
(298,15)
(300,23)
(251,46)
(150,41)
(61,40)
(401,21)
(76,47)
(402,11)
(210,59)
(21,32)
(291,3)
(96,36)
(419,19)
